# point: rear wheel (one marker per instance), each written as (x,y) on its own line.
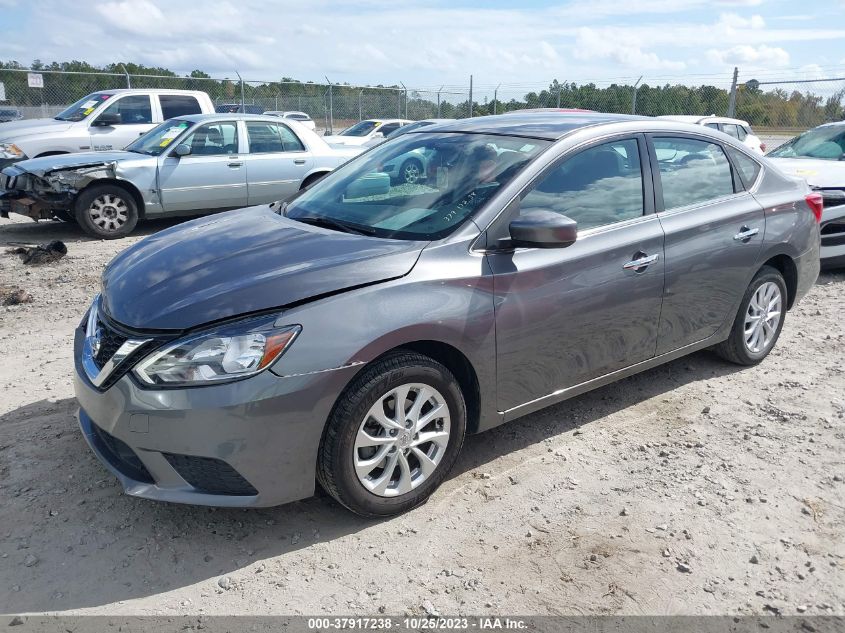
(393,436)
(106,211)
(759,321)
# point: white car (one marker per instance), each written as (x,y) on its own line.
(737,128)
(366,130)
(818,156)
(295,115)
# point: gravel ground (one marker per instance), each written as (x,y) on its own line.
(694,488)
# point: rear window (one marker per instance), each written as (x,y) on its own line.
(173,106)
(299,117)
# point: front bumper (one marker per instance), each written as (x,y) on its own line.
(833,237)
(249,443)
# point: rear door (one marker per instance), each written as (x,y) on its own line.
(276,163)
(567,315)
(211,177)
(714,232)
(135,115)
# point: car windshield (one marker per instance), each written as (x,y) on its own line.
(154,142)
(82,108)
(360,129)
(408,128)
(454,175)
(826,142)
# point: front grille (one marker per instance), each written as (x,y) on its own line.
(209,475)
(110,342)
(121,456)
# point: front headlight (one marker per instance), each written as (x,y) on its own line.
(232,351)
(11,151)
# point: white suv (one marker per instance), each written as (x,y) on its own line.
(737,128)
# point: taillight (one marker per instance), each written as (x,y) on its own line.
(763,147)
(816,204)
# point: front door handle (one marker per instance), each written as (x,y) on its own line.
(745,234)
(235,165)
(299,161)
(641,262)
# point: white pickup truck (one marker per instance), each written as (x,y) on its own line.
(102,121)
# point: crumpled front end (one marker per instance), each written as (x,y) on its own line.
(38,193)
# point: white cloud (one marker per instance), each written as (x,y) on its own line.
(754,55)
(736,21)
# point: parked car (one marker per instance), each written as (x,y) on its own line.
(538,110)
(353,335)
(363,131)
(818,156)
(102,121)
(737,128)
(300,117)
(404,129)
(188,165)
(237,108)
(9,114)
(412,167)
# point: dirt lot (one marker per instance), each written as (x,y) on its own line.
(694,488)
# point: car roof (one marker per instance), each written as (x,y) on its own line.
(227,116)
(542,125)
(116,91)
(695,118)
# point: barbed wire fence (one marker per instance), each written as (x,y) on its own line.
(776,105)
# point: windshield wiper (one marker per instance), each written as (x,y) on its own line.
(330,223)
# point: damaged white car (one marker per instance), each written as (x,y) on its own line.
(186,166)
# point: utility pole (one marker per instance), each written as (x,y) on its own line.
(634,100)
(558,95)
(496,99)
(242,90)
(360,98)
(470,96)
(438,101)
(128,81)
(732,102)
(406,98)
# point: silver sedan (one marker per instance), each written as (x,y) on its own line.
(189,165)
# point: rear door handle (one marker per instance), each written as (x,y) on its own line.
(745,234)
(299,161)
(641,263)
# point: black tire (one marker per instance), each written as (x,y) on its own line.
(107,228)
(335,467)
(64,215)
(410,172)
(735,349)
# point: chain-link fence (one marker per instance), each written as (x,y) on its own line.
(781,107)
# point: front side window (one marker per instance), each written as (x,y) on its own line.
(271,137)
(361,129)
(178,105)
(213,139)
(458,174)
(598,186)
(692,171)
(154,142)
(131,109)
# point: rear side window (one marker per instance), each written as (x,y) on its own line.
(748,168)
(743,132)
(131,109)
(692,171)
(712,126)
(298,117)
(178,105)
(597,186)
(270,137)
(730,129)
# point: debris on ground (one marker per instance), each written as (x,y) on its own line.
(14,295)
(41,254)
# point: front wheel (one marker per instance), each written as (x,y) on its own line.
(759,321)
(106,211)
(393,436)
(410,172)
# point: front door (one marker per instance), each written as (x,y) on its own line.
(135,117)
(212,176)
(566,316)
(276,163)
(714,233)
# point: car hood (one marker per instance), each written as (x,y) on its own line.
(345,140)
(11,130)
(240,262)
(817,172)
(46,164)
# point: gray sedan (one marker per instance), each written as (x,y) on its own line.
(355,334)
(186,166)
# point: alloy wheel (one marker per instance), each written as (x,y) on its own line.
(109,212)
(402,439)
(763,317)
(411,172)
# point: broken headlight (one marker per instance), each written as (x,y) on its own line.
(236,350)
(11,151)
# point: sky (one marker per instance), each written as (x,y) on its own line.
(428,43)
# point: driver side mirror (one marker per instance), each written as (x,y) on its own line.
(182,150)
(107,119)
(542,228)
